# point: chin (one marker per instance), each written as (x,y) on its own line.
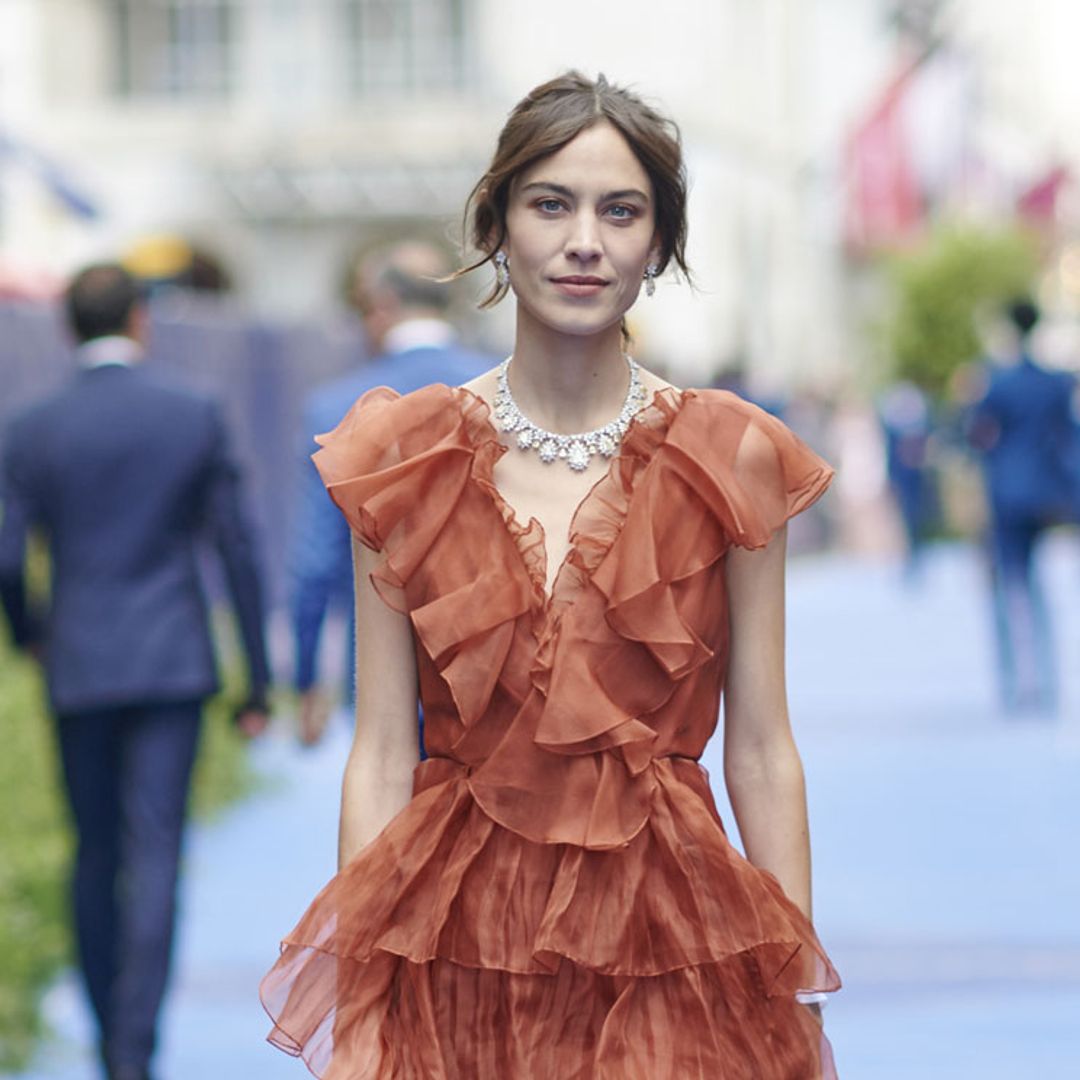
(581,323)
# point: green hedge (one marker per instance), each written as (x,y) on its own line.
(35,846)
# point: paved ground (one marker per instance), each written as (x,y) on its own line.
(947,877)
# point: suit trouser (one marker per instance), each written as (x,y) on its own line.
(1022,622)
(127,771)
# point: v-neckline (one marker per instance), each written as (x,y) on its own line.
(516,530)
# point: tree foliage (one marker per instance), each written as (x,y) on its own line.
(941,286)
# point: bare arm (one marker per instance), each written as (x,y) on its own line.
(762,767)
(385,751)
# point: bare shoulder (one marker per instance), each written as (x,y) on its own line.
(483,386)
(653,383)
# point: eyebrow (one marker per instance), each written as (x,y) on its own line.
(559,189)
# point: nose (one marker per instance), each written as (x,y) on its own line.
(583,242)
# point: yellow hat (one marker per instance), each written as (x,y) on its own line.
(159,255)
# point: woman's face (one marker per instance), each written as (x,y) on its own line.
(580,229)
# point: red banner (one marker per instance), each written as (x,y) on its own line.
(883,207)
(1038,203)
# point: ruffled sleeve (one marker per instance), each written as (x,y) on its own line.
(749,467)
(373,460)
(396,466)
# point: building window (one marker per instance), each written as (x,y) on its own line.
(405,45)
(174,48)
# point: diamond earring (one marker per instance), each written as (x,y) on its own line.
(502,275)
(650,278)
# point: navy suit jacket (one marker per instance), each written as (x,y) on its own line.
(124,474)
(1027,419)
(320,562)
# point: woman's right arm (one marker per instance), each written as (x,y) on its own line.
(385,751)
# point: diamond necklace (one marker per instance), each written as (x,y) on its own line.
(576,450)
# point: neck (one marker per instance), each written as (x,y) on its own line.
(567,383)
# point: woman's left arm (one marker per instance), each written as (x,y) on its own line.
(762,767)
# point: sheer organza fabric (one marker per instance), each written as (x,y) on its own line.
(559,899)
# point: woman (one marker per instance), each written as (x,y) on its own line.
(551,894)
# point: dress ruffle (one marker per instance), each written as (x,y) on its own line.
(445,881)
(444,885)
(401,469)
(632,611)
(562,836)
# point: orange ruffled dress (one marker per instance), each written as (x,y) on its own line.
(559,900)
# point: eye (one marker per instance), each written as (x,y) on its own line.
(548,205)
(622,212)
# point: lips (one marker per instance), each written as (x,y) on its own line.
(579,285)
(579,279)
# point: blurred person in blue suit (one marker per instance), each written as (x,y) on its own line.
(907,424)
(125,475)
(404,304)
(1025,429)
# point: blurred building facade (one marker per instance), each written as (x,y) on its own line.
(281,134)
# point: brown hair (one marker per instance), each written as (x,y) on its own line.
(548,118)
(99,300)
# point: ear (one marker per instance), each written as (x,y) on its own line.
(499,242)
(138,323)
(495,237)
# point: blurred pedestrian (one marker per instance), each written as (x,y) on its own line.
(566,559)
(907,424)
(405,305)
(124,475)
(1025,430)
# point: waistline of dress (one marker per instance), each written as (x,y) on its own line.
(678,767)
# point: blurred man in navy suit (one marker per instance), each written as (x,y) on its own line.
(404,305)
(123,474)
(1026,431)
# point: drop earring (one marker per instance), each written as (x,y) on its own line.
(650,278)
(502,274)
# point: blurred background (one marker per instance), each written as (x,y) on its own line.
(871,182)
